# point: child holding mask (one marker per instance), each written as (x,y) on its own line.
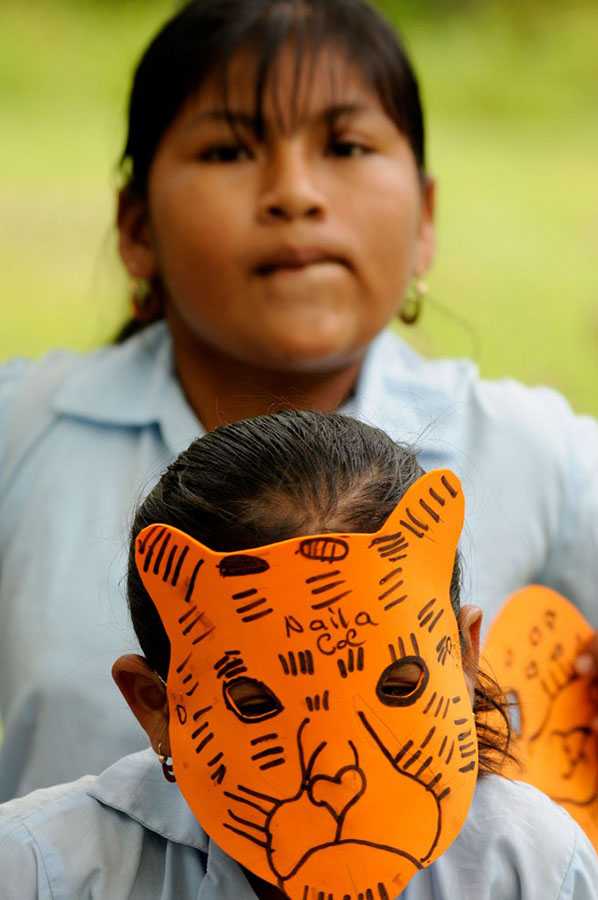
(356,766)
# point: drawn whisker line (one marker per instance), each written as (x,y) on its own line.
(186,615)
(425,608)
(262,738)
(468,767)
(384,538)
(390,575)
(395,602)
(250,837)
(242,595)
(191,586)
(390,590)
(428,509)
(192,689)
(201,712)
(270,765)
(259,615)
(418,534)
(252,793)
(192,624)
(327,587)
(269,751)
(440,500)
(253,605)
(332,600)
(247,822)
(238,799)
(203,636)
(199,730)
(215,759)
(205,741)
(184,663)
(219,774)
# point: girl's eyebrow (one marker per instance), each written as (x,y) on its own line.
(238,118)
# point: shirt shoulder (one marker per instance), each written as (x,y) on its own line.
(517,843)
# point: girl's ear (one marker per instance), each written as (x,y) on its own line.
(135,242)
(427,233)
(146,696)
(470,622)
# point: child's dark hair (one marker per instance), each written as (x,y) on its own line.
(205,35)
(267,479)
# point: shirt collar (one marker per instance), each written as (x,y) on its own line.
(133,384)
(136,786)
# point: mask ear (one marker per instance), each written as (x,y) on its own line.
(169,563)
(429,518)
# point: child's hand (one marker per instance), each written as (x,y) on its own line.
(587,664)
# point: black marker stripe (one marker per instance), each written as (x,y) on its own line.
(183,664)
(390,575)
(270,765)
(196,569)
(169,561)
(428,737)
(404,749)
(430,702)
(269,751)
(243,594)
(444,794)
(178,566)
(249,837)
(448,486)
(342,668)
(264,737)
(313,578)
(143,543)
(284,664)
(150,551)
(327,587)
(390,590)
(423,766)
(204,635)
(360,659)
(254,616)
(201,712)
(433,624)
(205,741)
(468,767)
(429,510)
(418,534)
(414,644)
(199,730)
(440,500)
(395,602)
(417,522)
(412,759)
(331,601)
(325,700)
(252,605)
(161,551)
(215,759)
(425,608)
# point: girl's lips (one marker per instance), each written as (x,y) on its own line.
(296,258)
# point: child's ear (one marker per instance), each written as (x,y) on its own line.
(426,244)
(146,696)
(135,243)
(470,623)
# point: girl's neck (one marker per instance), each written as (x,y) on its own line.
(222,390)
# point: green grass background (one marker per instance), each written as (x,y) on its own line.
(511,90)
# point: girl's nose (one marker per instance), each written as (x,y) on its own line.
(289,189)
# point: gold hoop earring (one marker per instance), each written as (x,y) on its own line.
(412,305)
(166,766)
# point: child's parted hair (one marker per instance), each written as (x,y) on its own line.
(268,479)
(205,35)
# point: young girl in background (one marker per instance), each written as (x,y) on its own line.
(130,833)
(276,216)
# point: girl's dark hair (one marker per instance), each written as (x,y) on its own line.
(205,35)
(262,480)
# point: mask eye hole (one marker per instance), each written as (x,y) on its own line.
(251,700)
(403,681)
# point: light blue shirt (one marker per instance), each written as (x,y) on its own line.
(82,438)
(130,834)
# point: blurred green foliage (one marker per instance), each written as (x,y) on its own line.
(510,89)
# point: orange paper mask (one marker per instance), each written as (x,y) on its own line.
(352,776)
(530,649)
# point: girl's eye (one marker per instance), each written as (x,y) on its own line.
(403,682)
(251,700)
(348,149)
(225,153)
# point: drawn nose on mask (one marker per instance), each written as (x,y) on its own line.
(339,792)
